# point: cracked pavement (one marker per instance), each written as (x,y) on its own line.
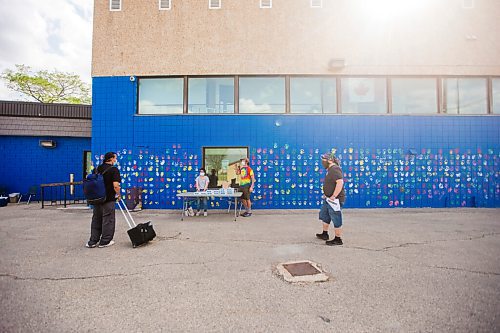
(400,270)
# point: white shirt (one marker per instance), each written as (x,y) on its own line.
(202,182)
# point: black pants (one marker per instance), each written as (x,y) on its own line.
(103,223)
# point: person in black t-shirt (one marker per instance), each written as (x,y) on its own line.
(334,198)
(102,228)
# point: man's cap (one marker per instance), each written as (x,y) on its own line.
(329,156)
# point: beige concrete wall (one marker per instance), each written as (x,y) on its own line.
(438,37)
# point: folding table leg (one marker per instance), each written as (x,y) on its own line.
(183,207)
(235,207)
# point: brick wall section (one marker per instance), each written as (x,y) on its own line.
(31,126)
(388,160)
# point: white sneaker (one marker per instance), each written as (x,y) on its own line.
(205,214)
(197,213)
(107,245)
(186,212)
(190,211)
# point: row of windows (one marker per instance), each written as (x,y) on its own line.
(318,95)
(116,5)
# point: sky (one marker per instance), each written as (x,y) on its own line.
(45,35)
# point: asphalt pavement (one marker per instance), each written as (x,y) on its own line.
(399,270)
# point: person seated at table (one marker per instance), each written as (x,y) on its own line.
(201,183)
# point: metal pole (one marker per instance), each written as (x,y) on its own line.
(65,190)
(43,190)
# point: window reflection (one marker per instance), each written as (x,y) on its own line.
(262,95)
(219,163)
(414,96)
(161,96)
(313,95)
(364,95)
(465,96)
(211,95)
(496,96)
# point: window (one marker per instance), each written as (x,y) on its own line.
(313,95)
(468,4)
(87,163)
(316,3)
(364,95)
(266,3)
(414,96)
(262,95)
(115,5)
(161,96)
(211,95)
(214,4)
(221,162)
(465,96)
(495,86)
(165,5)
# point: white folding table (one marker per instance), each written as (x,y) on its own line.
(187,196)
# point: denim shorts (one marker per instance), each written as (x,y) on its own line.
(327,215)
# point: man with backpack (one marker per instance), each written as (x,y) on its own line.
(102,228)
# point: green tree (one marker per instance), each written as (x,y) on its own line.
(47,86)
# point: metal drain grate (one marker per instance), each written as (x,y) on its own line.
(301,269)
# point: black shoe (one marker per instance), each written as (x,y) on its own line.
(90,245)
(246,214)
(323,236)
(335,241)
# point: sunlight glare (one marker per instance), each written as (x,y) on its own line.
(382,10)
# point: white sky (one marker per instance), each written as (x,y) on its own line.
(45,34)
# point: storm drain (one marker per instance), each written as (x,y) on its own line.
(302,271)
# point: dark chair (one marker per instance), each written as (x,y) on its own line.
(32,192)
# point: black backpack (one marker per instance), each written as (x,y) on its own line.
(94,188)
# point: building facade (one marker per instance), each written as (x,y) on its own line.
(43,143)
(406,93)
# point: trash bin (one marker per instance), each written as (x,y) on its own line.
(133,198)
(14,197)
(4,201)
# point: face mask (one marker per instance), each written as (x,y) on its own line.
(202,174)
(325,164)
(243,163)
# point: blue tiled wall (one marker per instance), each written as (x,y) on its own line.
(388,161)
(25,163)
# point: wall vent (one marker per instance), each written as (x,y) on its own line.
(316,3)
(115,5)
(165,5)
(214,4)
(468,4)
(266,3)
